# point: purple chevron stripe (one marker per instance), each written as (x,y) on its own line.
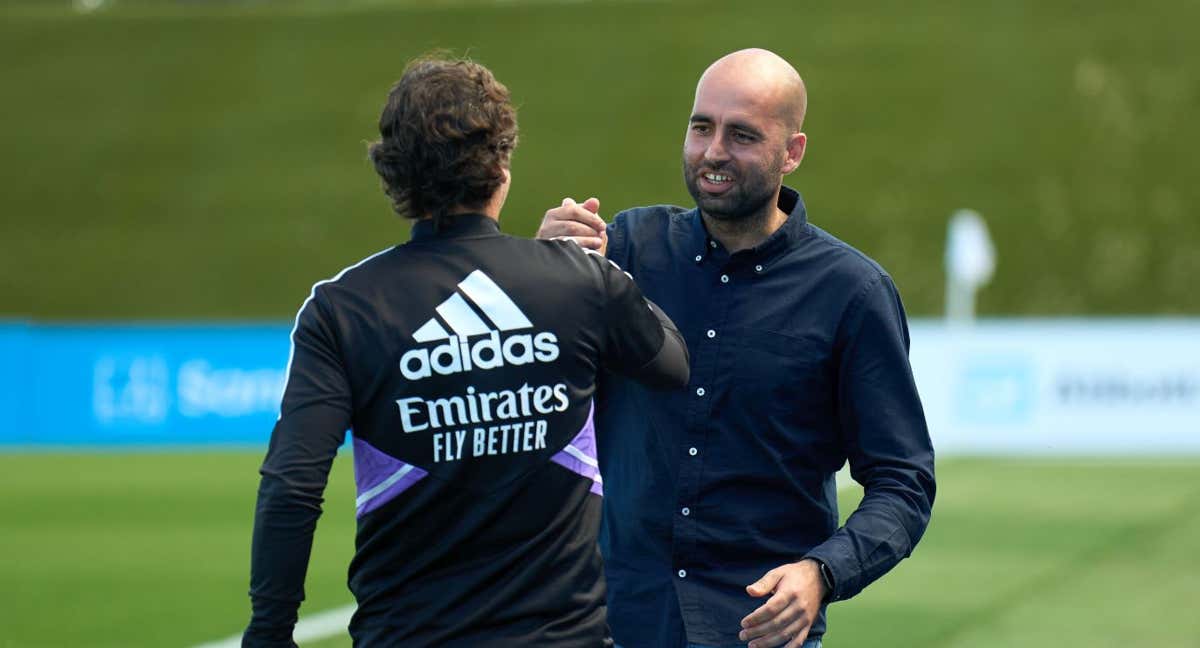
(579,456)
(380,477)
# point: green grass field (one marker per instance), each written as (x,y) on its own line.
(198,160)
(207,159)
(152,549)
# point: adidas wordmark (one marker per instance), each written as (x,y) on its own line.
(457,352)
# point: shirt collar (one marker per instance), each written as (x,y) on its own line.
(454,226)
(792,230)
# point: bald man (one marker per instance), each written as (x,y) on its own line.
(720,513)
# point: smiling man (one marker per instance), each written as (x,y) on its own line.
(720,512)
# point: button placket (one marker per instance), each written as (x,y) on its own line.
(711,318)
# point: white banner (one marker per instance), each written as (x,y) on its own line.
(1060,386)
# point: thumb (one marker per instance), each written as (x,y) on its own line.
(765,585)
(592,205)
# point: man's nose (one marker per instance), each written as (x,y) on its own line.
(716,152)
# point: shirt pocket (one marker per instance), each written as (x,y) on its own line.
(787,378)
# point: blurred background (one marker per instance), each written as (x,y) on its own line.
(175,175)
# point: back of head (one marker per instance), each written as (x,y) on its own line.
(447,134)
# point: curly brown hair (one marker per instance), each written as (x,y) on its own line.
(447,133)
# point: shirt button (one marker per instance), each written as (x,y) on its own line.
(699,391)
(758,268)
(698,257)
(693,451)
(711,333)
(686,511)
(683,573)
(724,278)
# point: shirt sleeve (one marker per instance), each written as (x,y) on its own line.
(886,440)
(640,341)
(314,416)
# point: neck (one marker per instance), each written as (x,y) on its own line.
(491,210)
(745,233)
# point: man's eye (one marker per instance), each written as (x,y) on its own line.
(744,138)
(699,128)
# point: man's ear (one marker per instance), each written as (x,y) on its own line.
(796,145)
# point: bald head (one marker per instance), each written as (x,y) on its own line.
(743,137)
(761,78)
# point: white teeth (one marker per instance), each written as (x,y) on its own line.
(716,177)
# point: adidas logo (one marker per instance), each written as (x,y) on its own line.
(477,295)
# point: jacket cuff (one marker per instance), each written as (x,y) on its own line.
(271,624)
(841,567)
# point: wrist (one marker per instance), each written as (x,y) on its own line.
(826,578)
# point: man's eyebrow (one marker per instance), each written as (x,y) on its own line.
(740,125)
(743,126)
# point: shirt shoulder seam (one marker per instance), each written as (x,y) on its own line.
(834,242)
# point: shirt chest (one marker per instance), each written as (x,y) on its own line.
(760,338)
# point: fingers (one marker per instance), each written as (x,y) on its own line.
(799,635)
(787,615)
(769,617)
(766,584)
(568,229)
(793,636)
(786,620)
(572,212)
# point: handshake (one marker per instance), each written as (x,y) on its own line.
(579,222)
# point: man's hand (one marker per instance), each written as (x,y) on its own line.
(578,222)
(797,591)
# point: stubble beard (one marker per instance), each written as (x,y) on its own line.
(744,205)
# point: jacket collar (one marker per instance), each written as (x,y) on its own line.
(454,226)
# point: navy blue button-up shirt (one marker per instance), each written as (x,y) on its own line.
(799,357)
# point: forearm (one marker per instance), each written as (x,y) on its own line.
(669,367)
(886,439)
(271,625)
(883,530)
(282,543)
(294,475)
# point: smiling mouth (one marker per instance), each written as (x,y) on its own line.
(716,178)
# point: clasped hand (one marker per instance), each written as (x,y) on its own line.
(578,222)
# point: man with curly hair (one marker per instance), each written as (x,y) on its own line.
(468,387)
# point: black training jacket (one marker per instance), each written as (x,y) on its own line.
(464,363)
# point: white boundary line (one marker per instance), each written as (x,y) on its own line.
(313,627)
(329,623)
(324,624)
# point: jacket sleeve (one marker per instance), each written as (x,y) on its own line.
(886,440)
(640,341)
(314,416)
